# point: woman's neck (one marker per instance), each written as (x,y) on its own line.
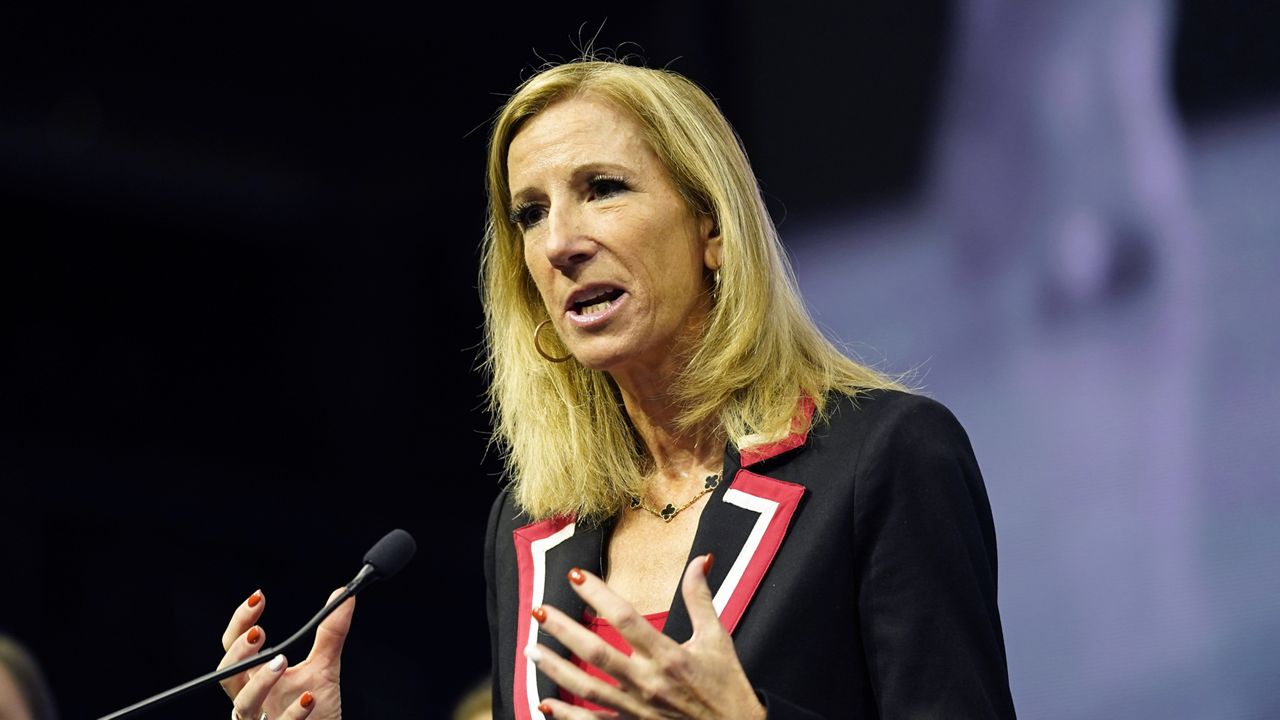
(681,457)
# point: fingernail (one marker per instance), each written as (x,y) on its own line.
(539,614)
(577,577)
(255,598)
(254,635)
(306,700)
(706,564)
(534,655)
(276,664)
(544,708)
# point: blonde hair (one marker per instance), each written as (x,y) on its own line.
(566,439)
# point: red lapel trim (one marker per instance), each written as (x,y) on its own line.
(532,543)
(760,453)
(776,502)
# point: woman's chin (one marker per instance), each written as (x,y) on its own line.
(601,361)
(605,355)
(628,367)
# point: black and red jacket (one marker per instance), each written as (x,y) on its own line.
(855,568)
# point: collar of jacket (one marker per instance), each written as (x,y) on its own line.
(744,525)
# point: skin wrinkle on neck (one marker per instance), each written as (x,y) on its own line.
(681,460)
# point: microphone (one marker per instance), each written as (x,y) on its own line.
(386,558)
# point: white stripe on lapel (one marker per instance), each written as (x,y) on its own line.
(538,551)
(756,504)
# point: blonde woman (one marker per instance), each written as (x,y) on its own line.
(664,401)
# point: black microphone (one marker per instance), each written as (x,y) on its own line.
(386,558)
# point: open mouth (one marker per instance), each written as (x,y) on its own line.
(597,303)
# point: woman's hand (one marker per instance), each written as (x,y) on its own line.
(701,678)
(285,693)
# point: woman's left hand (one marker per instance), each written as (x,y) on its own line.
(701,678)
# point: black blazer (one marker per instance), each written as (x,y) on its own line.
(855,568)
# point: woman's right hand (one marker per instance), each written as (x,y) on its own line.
(280,691)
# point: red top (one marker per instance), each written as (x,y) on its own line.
(609,634)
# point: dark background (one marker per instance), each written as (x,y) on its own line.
(238,254)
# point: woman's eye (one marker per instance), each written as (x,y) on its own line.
(526,216)
(603,187)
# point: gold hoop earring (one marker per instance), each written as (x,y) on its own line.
(538,346)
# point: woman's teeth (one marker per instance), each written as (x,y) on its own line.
(596,308)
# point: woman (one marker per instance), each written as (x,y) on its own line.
(662,398)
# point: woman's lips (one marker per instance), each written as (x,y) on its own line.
(595,313)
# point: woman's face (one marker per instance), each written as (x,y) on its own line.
(617,255)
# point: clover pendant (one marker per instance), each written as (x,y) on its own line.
(713,482)
(635,503)
(668,512)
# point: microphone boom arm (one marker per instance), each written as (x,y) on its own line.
(366,575)
(386,558)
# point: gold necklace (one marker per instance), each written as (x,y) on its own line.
(669,512)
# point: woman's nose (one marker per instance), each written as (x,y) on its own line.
(568,242)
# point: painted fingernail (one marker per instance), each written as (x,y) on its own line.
(255,598)
(706,564)
(534,655)
(539,614)
(577,577)
(276,664)
(544,708)
(255,634)
(306,700)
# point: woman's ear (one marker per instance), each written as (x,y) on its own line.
(713,252)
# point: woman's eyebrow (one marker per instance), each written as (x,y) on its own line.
(519,197)
(579,173)
(597,168)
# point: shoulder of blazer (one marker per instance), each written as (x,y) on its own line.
(848,419)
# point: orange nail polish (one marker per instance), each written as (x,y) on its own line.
(255,598)
(255,634)
(306,700)
(539,614)
(544,708)
(577,577)
(706,564)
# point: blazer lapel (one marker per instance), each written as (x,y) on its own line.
(744,524)
(545,552)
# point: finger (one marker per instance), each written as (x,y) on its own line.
(697,596)
(561,710)
(248,702)
(633,626)
(245,615)
(299,708)
(583,643)
(248,644)
(572,679)
(332,633)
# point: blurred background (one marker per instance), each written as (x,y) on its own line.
(238,256)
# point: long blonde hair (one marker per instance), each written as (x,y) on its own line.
(565,436)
